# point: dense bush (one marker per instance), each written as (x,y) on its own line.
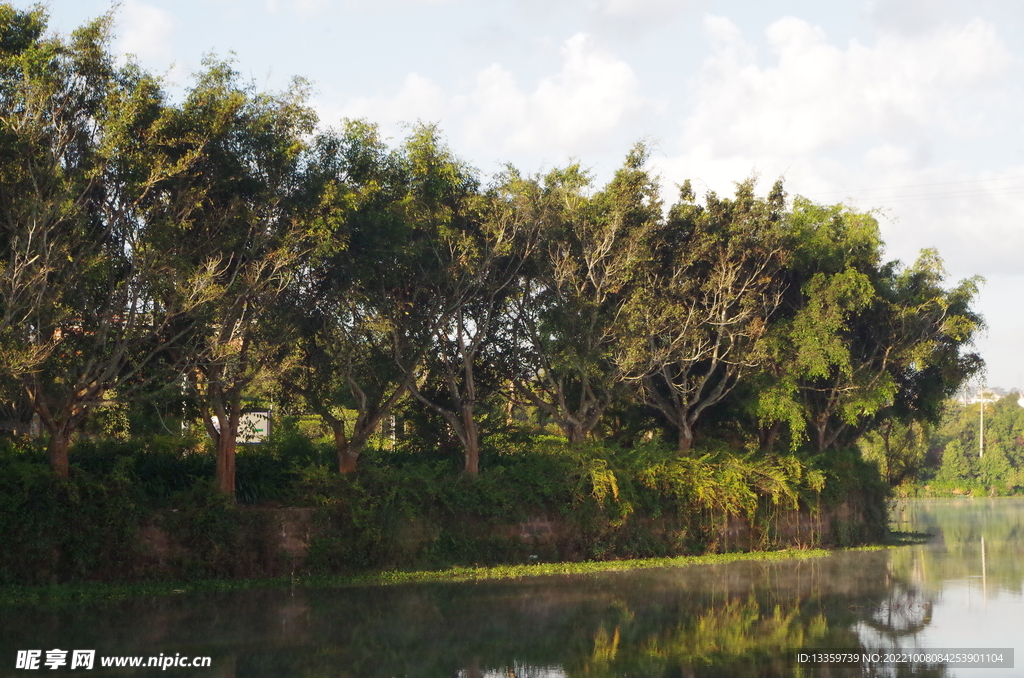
(54,529)
(851,479)
(611,502)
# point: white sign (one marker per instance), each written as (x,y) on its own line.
(253,427)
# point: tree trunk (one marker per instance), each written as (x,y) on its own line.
(472,468)
(226,464)
(886,432)
(685,438)
(348,451)
(769,435)
(58,449)
(348,459)
(226,444)
(345,448)
(820,435)
(470,442)
(574,431)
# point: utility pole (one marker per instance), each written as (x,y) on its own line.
(981,432)
(982,399)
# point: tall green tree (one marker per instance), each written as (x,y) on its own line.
(363,319)
(957,464)
(694,328)
(568,303)
(478,244)
(857,342)
(78,319)
(234,226)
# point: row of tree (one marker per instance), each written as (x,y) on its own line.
(220,243)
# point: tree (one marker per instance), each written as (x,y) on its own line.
(694,327)
(957,441)
(479,244)
(856,342)
(900,449)
(363,321)
(956,464)
(567,306)
(834,253)
(234,225)
(935,329)
(77,317)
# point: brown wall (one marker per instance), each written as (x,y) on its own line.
(277,542)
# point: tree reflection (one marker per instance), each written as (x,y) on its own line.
(903,612)
(972,538)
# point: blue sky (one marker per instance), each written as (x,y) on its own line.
(911,107)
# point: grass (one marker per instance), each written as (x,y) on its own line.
(58,594)
(461,574)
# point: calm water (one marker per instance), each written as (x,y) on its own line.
(963,589)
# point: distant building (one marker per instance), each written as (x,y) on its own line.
(990,394)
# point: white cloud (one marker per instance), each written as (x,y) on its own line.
(923,16)
(418,98)
(591,95)
(887,157)
(588,99)
(816,96)
(309,7)
(314,7)
(635,17)
(145,31)
(636,8)
(303,8)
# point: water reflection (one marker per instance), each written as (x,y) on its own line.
(974,539)
(743,619)
(971,569)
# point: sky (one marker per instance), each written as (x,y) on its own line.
(911,108)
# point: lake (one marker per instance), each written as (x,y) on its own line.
(961,590)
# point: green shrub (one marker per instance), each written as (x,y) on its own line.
(158,468)
(56,530)
(857,483)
